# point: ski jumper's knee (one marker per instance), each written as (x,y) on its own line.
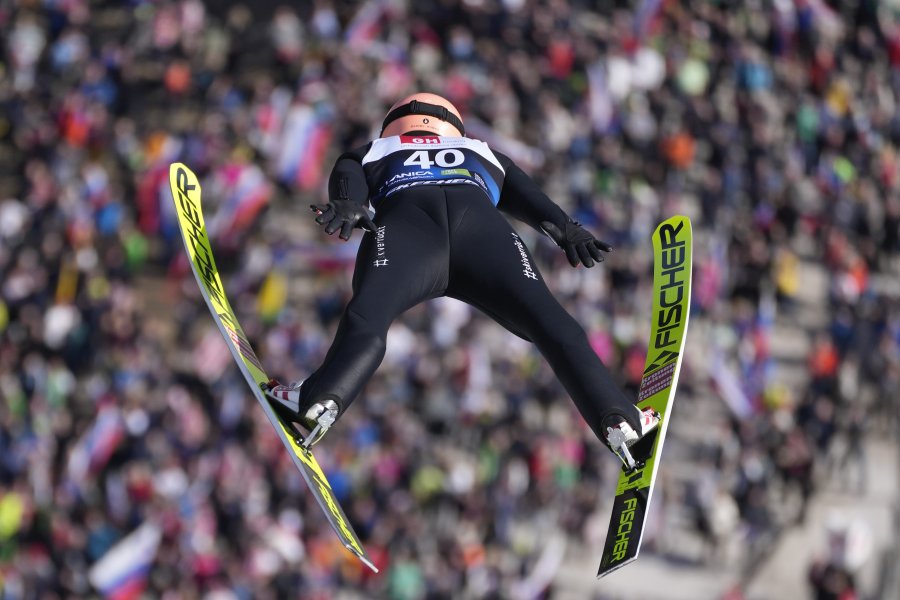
(562,336)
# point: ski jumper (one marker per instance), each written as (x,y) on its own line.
(440,233)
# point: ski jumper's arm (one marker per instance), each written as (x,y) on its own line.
(348,180)
(348,194)
(523,199)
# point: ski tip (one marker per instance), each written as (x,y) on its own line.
(183,180)
(677,221)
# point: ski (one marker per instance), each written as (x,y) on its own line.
(672,249)
(186,195)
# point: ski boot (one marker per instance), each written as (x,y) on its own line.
(621,436)
(318,418)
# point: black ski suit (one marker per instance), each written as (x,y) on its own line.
(439,233)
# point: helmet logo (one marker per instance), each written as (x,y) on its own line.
(425,120)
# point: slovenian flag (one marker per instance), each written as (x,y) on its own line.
(245,192)
(92,452)
(365,25)
(729,386)
(645,17)
(121,573)
(268,121)
(601,108)
(304,144)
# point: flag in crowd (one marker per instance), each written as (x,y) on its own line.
(645,17)
(121,573)
(304,143)
(241,190)
(95,448)
(366,25)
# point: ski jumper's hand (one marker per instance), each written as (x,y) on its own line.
(342,214)
(579,244)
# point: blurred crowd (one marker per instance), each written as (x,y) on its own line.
(125,430)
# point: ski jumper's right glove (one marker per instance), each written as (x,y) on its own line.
(579,244)
(348,194)
(523,199)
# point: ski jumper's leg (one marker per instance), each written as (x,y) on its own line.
(402,264)
(491,268)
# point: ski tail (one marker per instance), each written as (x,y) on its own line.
(186,194)
(672,259)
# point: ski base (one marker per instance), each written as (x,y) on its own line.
(672,251)
(186,194)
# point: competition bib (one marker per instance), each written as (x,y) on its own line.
(402,161)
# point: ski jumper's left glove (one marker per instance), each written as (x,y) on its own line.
(348,194)
(523,199)
(579,244)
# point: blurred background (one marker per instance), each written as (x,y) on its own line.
(135,463)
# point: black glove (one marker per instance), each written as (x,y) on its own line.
(343,214)
(580,245)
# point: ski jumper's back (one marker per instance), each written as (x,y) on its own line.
(401,162)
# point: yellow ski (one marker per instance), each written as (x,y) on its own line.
(672,249)
(186,195)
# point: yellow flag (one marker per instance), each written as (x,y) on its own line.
(11,510)
(272,296)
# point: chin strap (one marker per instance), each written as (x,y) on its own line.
(424,108)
